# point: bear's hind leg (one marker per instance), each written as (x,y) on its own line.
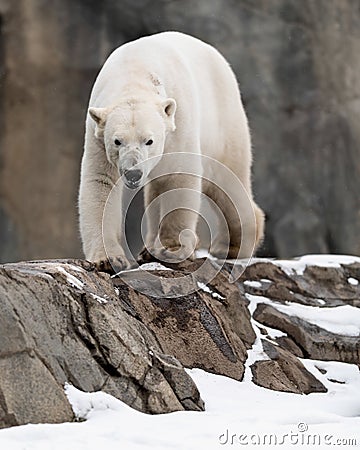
(245,224)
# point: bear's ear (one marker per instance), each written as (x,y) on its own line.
(169,108)
(99,116)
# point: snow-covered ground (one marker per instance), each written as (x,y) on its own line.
(238,414)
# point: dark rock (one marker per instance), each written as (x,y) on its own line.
(29,392)
(284,372)
(220,326)
(179,381)
(287,343)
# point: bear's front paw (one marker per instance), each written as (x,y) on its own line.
(113,264)
(173,254)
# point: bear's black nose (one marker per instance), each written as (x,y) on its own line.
(133,176)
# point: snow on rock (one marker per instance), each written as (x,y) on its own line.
(203,253)
(153,266)
(255,300)
(145,266)
(251,283)
(256,353)
(206,288)
(353,281)
(299,264)
(99,299)
(70,278)
(84,403)
(343,320)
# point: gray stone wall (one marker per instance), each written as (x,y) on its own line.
(298,66)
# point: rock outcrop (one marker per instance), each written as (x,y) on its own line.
(209,328)
(284,372)
(63,322)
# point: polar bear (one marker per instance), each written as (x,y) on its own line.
(163,110)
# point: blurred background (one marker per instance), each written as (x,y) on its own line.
(298,66)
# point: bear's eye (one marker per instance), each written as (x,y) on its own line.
(149,142)
(117,142)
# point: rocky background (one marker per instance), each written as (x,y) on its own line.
(298,65)
(63,322)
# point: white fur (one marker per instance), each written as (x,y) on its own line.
(181,94)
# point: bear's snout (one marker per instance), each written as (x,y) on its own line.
(133,177)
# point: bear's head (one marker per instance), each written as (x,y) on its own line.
(134,133)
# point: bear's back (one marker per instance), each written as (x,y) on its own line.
(164,46)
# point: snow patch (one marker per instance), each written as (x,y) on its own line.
(255,284)
(232,407)
(353,281)
(299,265)
(205,288)
(343,320)
(84,403)
(45,276)
(153,266)
(274,333)
(255,300)
(146,266)
(101,300)
(70,278)
(256,352)
(203,253)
